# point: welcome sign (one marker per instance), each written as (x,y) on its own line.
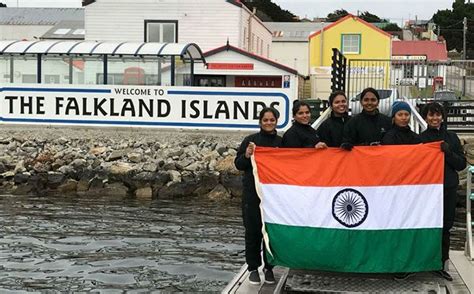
(142,106)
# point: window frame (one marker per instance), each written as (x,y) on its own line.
(151,21)
(351,52)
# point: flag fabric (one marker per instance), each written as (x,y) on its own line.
(376,209)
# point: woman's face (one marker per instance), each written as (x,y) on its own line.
(303,116)
(434,120)
(369,102)
(268,122)
(401,118)
(339,104)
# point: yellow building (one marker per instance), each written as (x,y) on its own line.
(356,39)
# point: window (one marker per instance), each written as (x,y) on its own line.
(409,71)
(351,44)
(161,31)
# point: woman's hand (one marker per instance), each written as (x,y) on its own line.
(321,145)
(250,149)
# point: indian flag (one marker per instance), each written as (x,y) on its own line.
(374,209)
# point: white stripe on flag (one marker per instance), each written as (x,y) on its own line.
(389,207)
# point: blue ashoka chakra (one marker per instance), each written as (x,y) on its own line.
(349,208)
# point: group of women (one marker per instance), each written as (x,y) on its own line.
(368,128)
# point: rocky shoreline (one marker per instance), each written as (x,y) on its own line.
(143,163)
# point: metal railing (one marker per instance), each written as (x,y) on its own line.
(412,78)
(469,247)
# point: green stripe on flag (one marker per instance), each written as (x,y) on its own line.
(358,251)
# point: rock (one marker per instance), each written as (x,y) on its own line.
(175,176)
(227,165)
(220,149)
(98,150)
(79,163)
(169,166)
(176,189)
(115,189)
(150,167)
(44,157)
(55,179)
(82,186)
(218,193)
(207,181)
(21,178)
(8,174)
(193,167)
(174,153)
(233,183)
(66,169)
(68,187)
(121,168)
(7,160)
(135,157)
(96,183)
(232,152)
(117,154)
(63,141)
(40,167)
(145,193)
(20,167)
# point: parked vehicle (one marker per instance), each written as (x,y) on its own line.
(387,97)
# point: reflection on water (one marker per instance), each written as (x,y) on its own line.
(103,244)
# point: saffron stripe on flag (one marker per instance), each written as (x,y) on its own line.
(378,251)
(388,207)
(363,166)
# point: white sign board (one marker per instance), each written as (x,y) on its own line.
(141,106)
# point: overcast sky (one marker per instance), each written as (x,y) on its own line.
(391,9)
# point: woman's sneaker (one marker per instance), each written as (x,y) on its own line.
(444,274)
(269,277)
(403,276)
(254,278)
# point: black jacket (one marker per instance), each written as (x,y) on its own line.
(454,160)
(331,130)
(365,129)
(300,136)
(400,136)
(244,164)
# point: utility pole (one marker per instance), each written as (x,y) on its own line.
(464,30)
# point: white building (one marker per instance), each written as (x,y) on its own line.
(32,23)
(290,43)
(208,23)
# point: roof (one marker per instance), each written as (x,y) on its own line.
(355,18)
(185,51)
(66,30)
(433,50)
(293,31)
(39,16)
(251,55)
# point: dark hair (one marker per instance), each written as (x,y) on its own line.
(334,95)
(275,113)
(369,90)
(433,107)
(297,104)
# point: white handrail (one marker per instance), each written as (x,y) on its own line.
(417,123)
(321,118)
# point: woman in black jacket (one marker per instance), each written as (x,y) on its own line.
(302,134)
(400,133)
(454,161)
(267,137)
(331,130)
(369,126)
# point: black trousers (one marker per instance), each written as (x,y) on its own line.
(253,232)
(449,211)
